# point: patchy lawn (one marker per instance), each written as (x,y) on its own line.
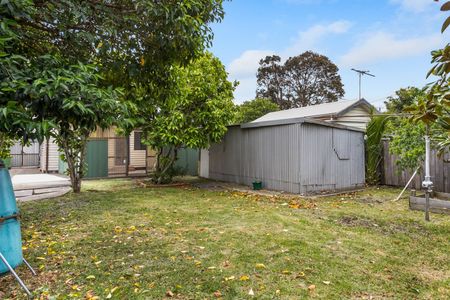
(121,241)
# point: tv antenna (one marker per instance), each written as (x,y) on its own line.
(360,75)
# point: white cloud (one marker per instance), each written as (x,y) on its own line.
(416,6)
(382,46)
(247,64)
(245,67)
(308,39)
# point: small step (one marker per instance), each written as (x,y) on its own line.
(42,196)
(23,193)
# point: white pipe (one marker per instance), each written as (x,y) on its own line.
(427,182)
(406,186)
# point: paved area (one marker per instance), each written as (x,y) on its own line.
(38,186)
(37,179)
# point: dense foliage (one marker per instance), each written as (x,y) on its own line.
(407,143)
(252,110)
(61,62)
(194,112)
(434,109)
(303,80)
(402,99)
(374,147)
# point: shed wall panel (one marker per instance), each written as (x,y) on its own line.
(269,154)
(331,159)
(297,158)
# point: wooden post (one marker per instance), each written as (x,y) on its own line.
(427,205)
(146,159)
(47,155)
(127,166)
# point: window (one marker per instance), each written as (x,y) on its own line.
(138,145)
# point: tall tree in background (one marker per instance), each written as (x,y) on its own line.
(271,81)
(252,110)
(403,98)
(303,80)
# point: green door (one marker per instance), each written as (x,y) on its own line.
(97,159)
(188,161)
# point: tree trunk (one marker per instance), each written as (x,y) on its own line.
(75,162)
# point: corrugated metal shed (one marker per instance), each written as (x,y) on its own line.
(296,155)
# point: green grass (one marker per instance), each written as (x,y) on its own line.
(198,244)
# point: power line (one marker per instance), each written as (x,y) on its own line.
(360,75)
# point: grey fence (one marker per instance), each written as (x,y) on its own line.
(440,171)
(25,156)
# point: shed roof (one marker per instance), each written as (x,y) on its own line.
(294,121)
(313,111)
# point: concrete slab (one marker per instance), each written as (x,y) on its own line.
(23,193)
(50,195)
(38,181)
(36,178)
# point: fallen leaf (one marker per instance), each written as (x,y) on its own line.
(251,293)
(169,293)
(244,278)
(217,294)
(312,287)
(90,277)
(326,282)
(260,266)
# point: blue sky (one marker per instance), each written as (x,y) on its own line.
(391,38)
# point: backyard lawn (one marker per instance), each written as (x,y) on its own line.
(117,240)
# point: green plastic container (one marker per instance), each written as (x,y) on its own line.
(10,237)
(257,185)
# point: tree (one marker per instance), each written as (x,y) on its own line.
(374,147)
(271,81)
(133,44)
(72,103)
(407,143)
(303,80)
(193,113)
(434,108)
(252,110)
(403,98)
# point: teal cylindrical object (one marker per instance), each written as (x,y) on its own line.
(10,237)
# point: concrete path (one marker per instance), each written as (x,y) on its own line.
(39,186)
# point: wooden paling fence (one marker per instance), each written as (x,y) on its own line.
(440,171)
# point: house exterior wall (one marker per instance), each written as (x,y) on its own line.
(296,158)
(137,157)
(357,117)
(53,156)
